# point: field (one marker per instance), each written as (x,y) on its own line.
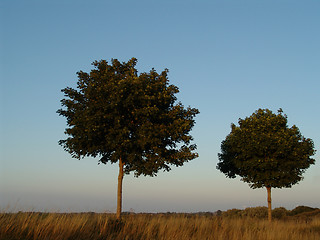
(71,226)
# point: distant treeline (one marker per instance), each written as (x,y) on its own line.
(253,212)
(262,212)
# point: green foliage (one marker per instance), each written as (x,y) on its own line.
(232,213)
(265,152)
(280,213)
(262,212)
(301,209)
(255,212)
(252,212)
(116,113)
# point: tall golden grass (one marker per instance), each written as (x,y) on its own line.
(62,226)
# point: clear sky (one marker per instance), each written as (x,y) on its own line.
(228,59)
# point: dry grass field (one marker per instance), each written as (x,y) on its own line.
(72,226)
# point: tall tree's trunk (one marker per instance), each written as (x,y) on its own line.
(119,198)
(269,204)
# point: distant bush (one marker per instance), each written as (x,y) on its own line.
(262,212)
(218,213)
(232,213)
(280,213)
(255,212)
(301,209)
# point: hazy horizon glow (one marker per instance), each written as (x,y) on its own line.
(228,59)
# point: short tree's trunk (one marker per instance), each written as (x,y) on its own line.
(269,204)
(119,198)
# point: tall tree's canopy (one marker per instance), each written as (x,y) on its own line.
(265,152)
(116,113)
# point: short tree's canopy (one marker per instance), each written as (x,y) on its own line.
(116,113)
(265,152)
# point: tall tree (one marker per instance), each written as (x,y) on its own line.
(265,152)
(118,115)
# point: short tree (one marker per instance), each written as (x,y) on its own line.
(120,116)
(265,152)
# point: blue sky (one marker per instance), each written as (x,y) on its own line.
(228,59)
